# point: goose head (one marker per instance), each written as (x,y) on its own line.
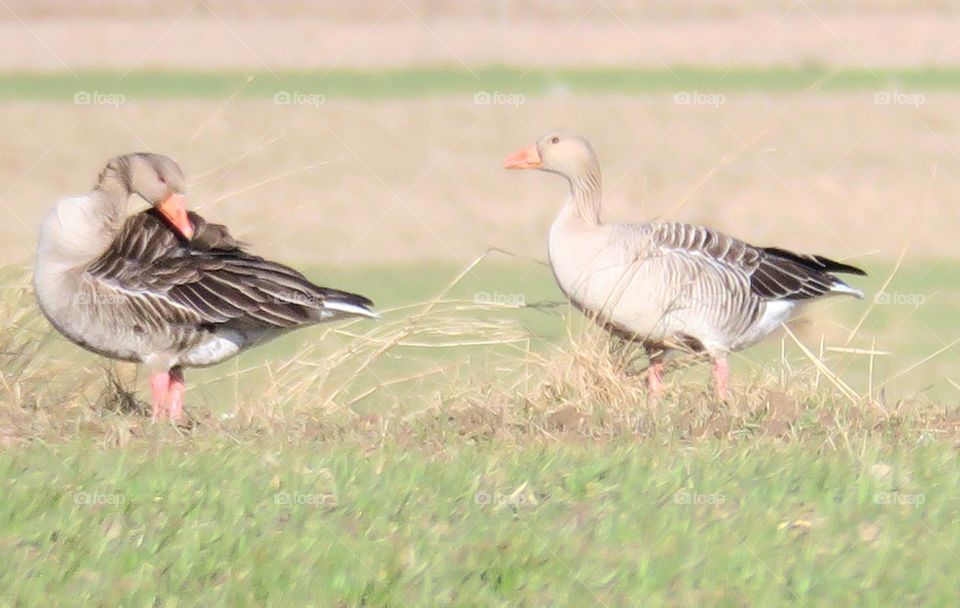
(568,155)
(158,180)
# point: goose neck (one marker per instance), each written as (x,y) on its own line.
(112,191)
(586,194)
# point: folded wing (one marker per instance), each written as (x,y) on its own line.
(212,279)
(773,273)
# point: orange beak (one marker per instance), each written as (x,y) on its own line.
(528,158)
(174,208)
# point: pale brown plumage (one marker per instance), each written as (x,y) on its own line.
(164,287)
(670,285)
(191,288)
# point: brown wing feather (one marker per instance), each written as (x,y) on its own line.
(210,279)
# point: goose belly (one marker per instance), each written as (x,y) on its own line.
(223,343)
(645,299)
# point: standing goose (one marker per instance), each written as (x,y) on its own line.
(670,285)
(164,287)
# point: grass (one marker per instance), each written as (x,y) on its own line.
(479,454)
(484,447)
(420,82)
(210,521)
(477,333)
(519,303)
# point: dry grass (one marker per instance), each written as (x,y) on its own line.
(422,180)
(583,388)
(825,185)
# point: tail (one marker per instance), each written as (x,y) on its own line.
(792,276)
(839,287)
(336,301)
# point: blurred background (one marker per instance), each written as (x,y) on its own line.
(363,141)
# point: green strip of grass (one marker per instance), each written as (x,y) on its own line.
(373,84)
(216,523)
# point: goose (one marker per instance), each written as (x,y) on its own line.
(163,287)
(670,286)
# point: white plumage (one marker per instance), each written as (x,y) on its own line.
(670,285)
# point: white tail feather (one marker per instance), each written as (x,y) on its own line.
(842,288)
(351,309)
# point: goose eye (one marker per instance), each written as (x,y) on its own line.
(554,140)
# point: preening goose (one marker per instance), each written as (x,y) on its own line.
(670,285)
(164,287)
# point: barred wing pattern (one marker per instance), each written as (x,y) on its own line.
(773,273)
(210,281)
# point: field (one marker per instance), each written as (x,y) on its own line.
(482,444)
(478,523)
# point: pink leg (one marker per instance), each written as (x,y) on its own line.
(160,387)
(721,377)
(177,388)
(655,377)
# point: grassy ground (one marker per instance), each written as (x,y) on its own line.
(524,473)
(609,524)
(419,82)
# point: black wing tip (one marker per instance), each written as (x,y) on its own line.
(785,275)
(816,262)
(350,298)
(839,267)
